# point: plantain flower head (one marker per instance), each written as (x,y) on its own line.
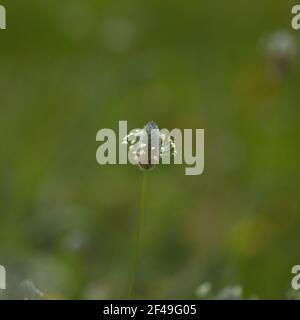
(149,145)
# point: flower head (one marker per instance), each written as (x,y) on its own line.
(281,50)
(149,145)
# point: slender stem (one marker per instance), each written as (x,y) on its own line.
(140,219)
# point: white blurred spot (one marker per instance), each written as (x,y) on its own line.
(118,35)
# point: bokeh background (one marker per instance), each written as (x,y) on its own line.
(69,68)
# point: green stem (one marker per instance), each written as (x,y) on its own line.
(140,219)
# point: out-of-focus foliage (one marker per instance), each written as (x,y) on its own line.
(69,68)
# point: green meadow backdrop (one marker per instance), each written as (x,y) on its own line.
(69,68)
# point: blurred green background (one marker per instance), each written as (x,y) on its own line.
(69,68)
